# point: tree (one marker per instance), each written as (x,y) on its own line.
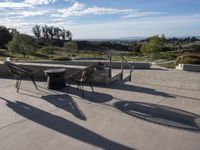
(45,31)
(13,45)
(68,34)
(23,44)
(156,44)
(63,34)
(26,44)
(57,33)
(37,31)
(51,31)
(5,36)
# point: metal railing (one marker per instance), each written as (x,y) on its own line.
(131,68)
(123,61)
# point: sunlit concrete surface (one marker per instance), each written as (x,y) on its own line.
(159,109)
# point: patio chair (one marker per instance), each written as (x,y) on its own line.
(82,77)
(20,73)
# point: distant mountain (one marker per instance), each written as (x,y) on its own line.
(134,38)
(137,38)
(114,39)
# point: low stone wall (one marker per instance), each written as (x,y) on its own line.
(189,67)
(115,64)
(39,68)
(71,66)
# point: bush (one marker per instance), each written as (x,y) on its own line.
(47,50)
(5,36)
(190,59)
(41,55)
(22,43)
(61,58)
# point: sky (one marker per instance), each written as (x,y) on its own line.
(105,19)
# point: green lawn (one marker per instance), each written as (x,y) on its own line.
(170,65)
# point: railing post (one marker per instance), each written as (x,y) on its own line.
(122,69)
(130,75)
(182,61)
(110,65)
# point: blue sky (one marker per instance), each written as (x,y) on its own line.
(105,18)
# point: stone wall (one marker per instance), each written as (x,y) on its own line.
(115,64)
(4,72)
(188,67)
(100,76)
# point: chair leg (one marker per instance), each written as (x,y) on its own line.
(17,82)
(82,90)
(68,87)
(91,87)
(18,86)
(33,80)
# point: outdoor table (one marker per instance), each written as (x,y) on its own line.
(55,78)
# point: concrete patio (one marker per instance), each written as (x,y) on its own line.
(160,109)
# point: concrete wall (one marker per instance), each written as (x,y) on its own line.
(188,67)
(39,68)
(71,66)
(115,64)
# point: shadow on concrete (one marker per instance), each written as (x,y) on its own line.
(63,126)
(96,97)
(161,115)
(119,85)
(66,103)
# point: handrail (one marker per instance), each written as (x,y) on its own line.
(131,67)
(123,59)
(180,57)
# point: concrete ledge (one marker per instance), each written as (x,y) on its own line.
(70,66)
(115,64)
(39,67)
(188,67)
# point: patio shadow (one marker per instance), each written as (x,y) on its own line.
(63,126)
(132,88)
(161,115)
(66,103)
(96,97)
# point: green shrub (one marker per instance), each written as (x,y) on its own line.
(41,55)
(190,59)
(48,50)
(61,58)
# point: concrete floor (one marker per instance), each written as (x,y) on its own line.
(160,109)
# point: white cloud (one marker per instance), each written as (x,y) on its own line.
(14,5)
(71,1)
(78,9)
(23,14)
(72,10)
(180,25)
(25,3)
(138,13)
(101,10)
(39,2)
(134,23)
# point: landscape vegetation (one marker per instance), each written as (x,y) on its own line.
(53,43)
